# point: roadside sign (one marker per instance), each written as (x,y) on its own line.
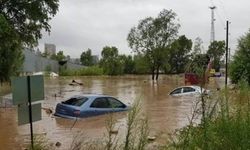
(36,88)
(20,89)
(25,91)
(23,113)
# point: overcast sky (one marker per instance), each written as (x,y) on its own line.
(83,24)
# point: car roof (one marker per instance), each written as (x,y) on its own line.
(90,96)
(193,86)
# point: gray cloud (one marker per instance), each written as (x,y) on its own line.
(82,24)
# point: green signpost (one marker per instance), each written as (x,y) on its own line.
(26,90)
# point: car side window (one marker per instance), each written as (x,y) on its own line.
(76,101)
(114,103)
(101,102)
(188,89)
(176,91)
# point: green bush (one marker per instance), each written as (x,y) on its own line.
(226,128)
(240,67)
(88,71)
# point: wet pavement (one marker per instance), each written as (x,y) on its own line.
(165,113)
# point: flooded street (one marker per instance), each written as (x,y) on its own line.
(165,113)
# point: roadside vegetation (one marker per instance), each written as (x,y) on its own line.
(240,67)
(225,123)
(88,71)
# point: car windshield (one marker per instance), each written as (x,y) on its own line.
(76,101)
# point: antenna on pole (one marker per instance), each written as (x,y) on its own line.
(212,24)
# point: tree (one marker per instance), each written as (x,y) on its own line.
(152,37)
(86,58)
(28,18)
(21,25)
(240,66)
(198,48)
(110,61)
(141,64)
(127,63)
(216,50)
(179,54)
(11,57)
(60,56)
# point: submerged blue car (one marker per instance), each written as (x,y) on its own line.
(89,105)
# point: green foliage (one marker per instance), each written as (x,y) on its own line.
(58,57)
(21,23)
(141,64)
(88,71)
(179,54)
(222,129)
(152,37)
(240,67)
(28,18)
(86,58)
(199,64)
(110,62)
(198,48)
(11,56)
(128,64)
(216,50)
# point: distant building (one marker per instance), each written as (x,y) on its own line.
(95,59)
(50,49)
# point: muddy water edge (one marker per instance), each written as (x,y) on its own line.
(165,113)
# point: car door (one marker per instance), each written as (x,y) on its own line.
(176,92)
(100,106)
(116,105)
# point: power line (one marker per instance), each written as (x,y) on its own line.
(224,10)
(221,20)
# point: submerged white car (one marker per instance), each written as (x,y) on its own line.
(188,90)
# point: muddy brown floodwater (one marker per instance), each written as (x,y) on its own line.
(165,113)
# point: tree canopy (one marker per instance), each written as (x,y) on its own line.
(21,23)
(86,58)
(11,57)
(59,56)
(179,54)
(240,66)
(28,18)
(110,61)
(216,50)
(153,36)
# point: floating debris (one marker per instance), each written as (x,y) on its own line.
(58,144)
(151,138)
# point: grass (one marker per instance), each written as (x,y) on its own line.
(225,123)
(40,143)
(88,71)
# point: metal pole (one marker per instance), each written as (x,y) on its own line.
(30,113)
(226,56)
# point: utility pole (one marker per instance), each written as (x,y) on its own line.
(212,38)
(226,55)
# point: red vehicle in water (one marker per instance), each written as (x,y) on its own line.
(191,79)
